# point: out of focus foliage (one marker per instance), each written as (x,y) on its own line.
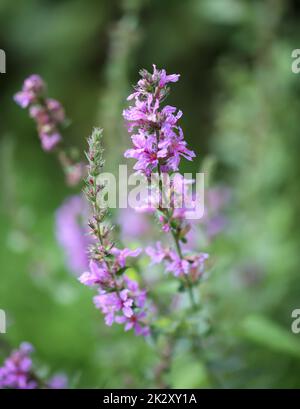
(241,105)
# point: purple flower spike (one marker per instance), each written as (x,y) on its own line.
(121,255)
(47,113)
(157,138)
(98,275)
(119,298)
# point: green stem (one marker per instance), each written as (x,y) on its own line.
(175,236)
(189,284)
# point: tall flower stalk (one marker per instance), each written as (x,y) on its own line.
(158,148)
(119,297)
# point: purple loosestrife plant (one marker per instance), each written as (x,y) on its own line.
(157,138)
(158,147)
(49,116)
(18,372)
(119,298)
(47,113)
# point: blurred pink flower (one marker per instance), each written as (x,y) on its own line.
(71,232)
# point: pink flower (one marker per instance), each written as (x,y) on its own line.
(39,113)
(24,98)
(135,322)
(197,264)
(18,372)
(98,275)
(107,303)
(34,83)
(119,298)
(56,110)
(121,255)
(133,224)
(158,253)
(177,265)
(49,141)
(47,113)
(32,89)
(145,152)
(59,381)
(126,303)
(112,303)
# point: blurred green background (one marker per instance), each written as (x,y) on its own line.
(241,109)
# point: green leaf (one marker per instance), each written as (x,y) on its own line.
(269,334)
(181,287)
(186,372)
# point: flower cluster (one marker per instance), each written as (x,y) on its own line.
(119,298)
(176,197)
(157,138)
(158,147)
(47,112)
(18,372)
(189,265)
(72,233)
(49,116)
